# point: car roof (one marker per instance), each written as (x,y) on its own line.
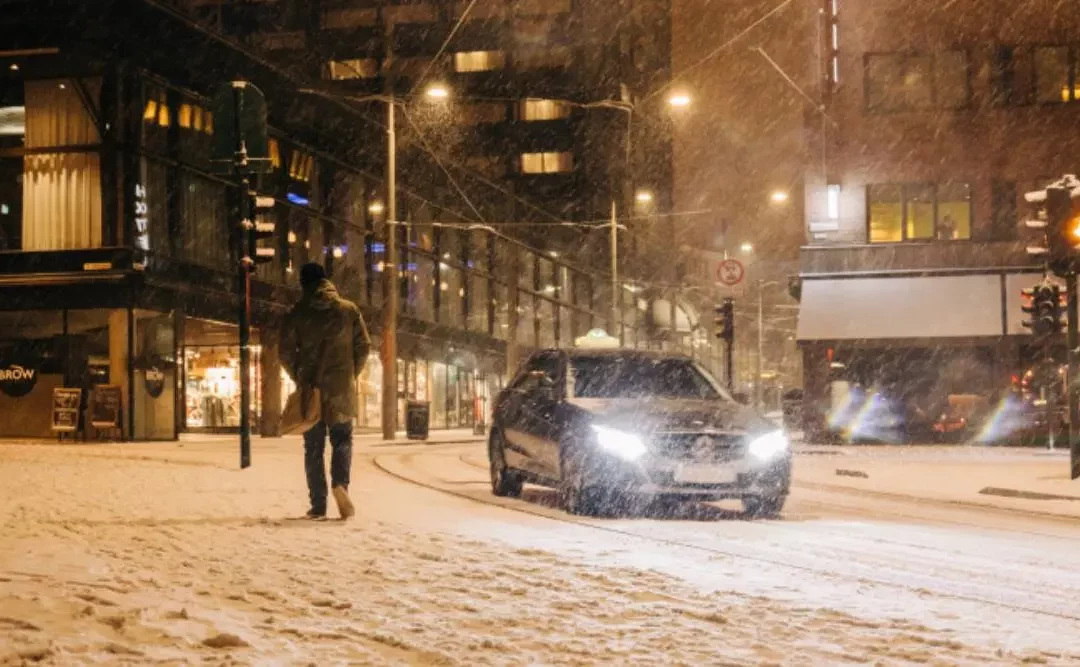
(577,353)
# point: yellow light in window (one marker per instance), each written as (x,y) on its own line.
(274,151)
(163,115)
(208,122)
(150,112)
(1074,230)
(197,119)
(184,116)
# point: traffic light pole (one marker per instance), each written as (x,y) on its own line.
(729,364)
(244,265)
(1073,370)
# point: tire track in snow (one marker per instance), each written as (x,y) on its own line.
(406,459)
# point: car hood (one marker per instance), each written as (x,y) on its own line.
(658,415)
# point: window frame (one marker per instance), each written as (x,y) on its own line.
(905,188)
(935,103)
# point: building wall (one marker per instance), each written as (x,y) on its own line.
(984,142)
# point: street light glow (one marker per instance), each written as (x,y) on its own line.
(679,100)
(747,247)
(437,91)
(779,197)
(643,196)
(376,208)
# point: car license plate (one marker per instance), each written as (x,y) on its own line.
(699,474)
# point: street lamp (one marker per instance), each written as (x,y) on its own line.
(376,208)
(679,100)
(437,91)
(643,197)
(746,247)
(779,197)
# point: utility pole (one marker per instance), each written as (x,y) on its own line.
(1072,386)
(245,267)
(615,324)
(760,366)
(391,287)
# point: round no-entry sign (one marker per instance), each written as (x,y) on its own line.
(730,272)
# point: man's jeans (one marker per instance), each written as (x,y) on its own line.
(340,461)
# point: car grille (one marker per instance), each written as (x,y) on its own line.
(697,447)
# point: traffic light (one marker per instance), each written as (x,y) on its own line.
(725,320)
(1056,216)
(1043,304)
(258,230)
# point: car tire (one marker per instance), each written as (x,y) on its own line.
(576,495)
(764,507)
(505,483)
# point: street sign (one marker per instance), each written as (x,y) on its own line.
(239,110)
(730,272)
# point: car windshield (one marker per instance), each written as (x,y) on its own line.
(640,377)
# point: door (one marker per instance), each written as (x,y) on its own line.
(527,415)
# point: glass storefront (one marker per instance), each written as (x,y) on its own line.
(212,386)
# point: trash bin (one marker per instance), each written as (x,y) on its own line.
(417,418)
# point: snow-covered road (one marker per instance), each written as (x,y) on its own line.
(152,553)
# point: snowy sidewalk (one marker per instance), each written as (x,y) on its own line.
(1025,480)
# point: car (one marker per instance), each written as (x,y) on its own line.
(600,425)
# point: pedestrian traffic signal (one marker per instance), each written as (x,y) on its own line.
(1056,216)
(257,230)
(1043,304)
(725,320)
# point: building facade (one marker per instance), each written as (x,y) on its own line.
(116,254)
(939,119)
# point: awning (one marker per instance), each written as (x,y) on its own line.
(914,307)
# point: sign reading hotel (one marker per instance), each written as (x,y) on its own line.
(142,218)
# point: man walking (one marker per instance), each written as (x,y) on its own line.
(324,344)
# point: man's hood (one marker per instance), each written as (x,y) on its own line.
(323,297)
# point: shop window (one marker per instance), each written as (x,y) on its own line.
(526,330)
(438,394)
(919,212)
(546,163)
(545,315)
(912,82)
(479,61)
(479,303)
(533,109)
(501,304)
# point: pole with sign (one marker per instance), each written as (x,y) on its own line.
(241,148)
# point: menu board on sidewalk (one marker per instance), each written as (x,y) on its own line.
(65,409)
(105,406)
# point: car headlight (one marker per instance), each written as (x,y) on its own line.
(624,445)
(769,446)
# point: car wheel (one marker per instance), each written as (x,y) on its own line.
(764,507)
(504,482)
(576,495)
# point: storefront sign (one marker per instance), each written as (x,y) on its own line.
(142,218)
(17,380)
(65,409)
(105,406)
(155,381)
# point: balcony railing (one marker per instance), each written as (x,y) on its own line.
(914,258)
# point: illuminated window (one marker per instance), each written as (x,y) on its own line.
(301,166)
(156,111)
(919,212)
(1052,73)
(540,109)
(546,163)
(273,149)
(183,116)
(197,119)
(357,68)
(479,61)
(208,122)
(150,112)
